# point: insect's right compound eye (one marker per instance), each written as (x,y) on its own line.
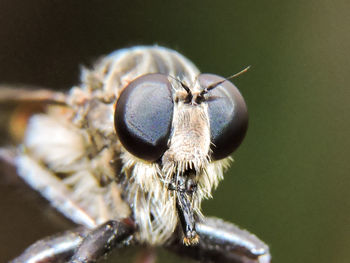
(143,116)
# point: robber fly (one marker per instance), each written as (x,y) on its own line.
(130,153)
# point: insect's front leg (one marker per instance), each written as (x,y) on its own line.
(102,240)
(221,241)
(57,248)
(79,246)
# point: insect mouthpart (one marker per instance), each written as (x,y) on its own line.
(185,186)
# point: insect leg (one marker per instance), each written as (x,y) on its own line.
(101,240)
(80,246)
(221,241)
(230,241)
(58,248)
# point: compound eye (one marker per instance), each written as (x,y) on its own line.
(227,114)
(143,116)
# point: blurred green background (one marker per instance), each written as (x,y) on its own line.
(290,182)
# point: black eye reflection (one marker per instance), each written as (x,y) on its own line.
(228,115)
(143,116)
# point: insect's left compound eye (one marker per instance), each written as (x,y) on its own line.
(143,116)
(228,115)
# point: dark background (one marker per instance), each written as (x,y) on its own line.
(290,180)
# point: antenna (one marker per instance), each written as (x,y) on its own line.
(214,85)
(185,87)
